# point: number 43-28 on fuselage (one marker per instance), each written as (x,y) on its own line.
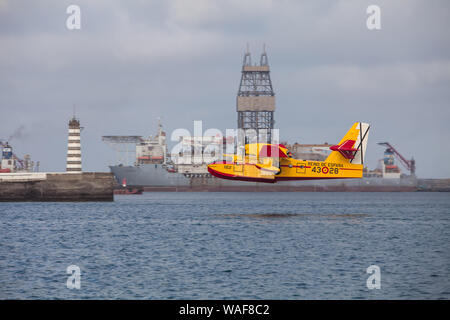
(270,163)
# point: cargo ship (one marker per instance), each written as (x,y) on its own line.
(154,169)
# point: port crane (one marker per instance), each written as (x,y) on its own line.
(408,164)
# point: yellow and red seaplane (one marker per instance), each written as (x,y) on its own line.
(270,163)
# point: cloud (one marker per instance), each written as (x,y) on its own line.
(134,61)
(200,13)
(371,80)
(3,5)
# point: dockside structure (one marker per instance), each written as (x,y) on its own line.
(255,103)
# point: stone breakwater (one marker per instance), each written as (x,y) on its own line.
(85,186)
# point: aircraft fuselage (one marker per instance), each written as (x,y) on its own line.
(288,169)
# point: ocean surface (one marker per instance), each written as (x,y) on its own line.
(229,246)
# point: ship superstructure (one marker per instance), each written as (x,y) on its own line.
(11,163)
(196,153)
(152,150)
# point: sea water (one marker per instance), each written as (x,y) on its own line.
(228,246)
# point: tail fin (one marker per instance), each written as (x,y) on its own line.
(352,147)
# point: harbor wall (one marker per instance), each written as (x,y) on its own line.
(85,186)
(434,185)
(307,188)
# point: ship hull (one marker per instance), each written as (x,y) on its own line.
(154,177)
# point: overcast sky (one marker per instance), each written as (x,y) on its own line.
(135,61)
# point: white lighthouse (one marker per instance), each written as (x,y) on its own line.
(74,147)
